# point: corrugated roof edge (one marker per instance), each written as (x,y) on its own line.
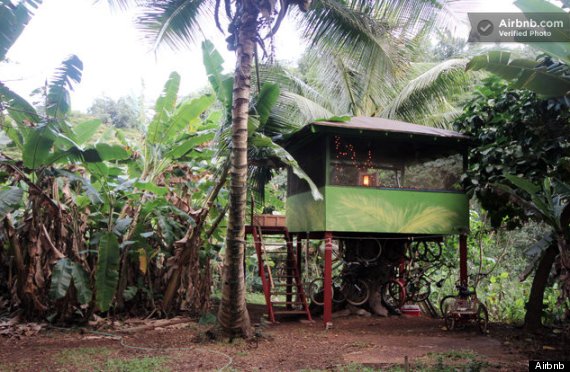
(387,125)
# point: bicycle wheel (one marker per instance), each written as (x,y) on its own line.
(482,318)
(338,295)
(428,251)
(394,293)
(445,304)
(357,292)
(419,290)
(368,250)
(316,292)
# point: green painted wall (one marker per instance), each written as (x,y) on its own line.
(304,214)
(359,209)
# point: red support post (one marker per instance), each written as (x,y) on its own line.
(299,254)
(299,249)
(290,263)
(463,260)
(327,280)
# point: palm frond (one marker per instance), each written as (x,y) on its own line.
(122,4)
(426,94)
(353,88)
(178,23)
(334,26)
(290,82)
(292,112)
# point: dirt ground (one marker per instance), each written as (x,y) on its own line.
(354,343)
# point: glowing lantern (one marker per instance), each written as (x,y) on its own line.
(366,180)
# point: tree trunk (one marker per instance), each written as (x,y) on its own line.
(533,316)
(232,315)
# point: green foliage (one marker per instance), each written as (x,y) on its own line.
(10,198)
(58,103)
(36,147)
(13,20)
(502,255)
(163,108)
(65,272)
(515,132)
(17,107)
(265,100)
(186,116)
(549,81)
(546,200)
(558,49)
(208,319)
(122,113)
(60,279)
(107,271)
(220,83)
(84,131)
(81,283)
(119,198)
(111,152)
(188,143)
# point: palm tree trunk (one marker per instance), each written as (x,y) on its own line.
(232,315)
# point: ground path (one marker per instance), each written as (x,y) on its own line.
(354,343)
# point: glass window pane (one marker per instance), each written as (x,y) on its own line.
(394,164)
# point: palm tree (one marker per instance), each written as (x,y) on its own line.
(366,30)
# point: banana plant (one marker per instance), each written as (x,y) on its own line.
(261,126)
(560,49)
(548,202)
(13,20)
(546,77)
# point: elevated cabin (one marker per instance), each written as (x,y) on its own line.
(378,177)
(383,183)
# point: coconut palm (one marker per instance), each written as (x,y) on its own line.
(365,30)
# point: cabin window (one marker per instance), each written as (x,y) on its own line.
(393,164)
(311,158)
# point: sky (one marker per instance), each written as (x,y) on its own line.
(117,60)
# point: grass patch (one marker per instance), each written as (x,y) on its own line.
(104,359)
(82,358)
(137,365)
(450,361)
(257,298)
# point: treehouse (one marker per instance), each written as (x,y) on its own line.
(378,176)
(382,182)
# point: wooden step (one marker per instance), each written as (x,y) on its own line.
(285,312)
(284,285)
(275,245)
(287,303)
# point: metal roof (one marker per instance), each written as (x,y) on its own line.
(387,125)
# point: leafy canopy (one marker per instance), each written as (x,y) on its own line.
(515,132)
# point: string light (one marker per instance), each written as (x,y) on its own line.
(347,152)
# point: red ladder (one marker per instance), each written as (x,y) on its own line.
(285,283)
